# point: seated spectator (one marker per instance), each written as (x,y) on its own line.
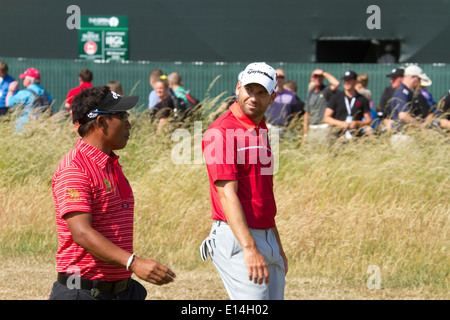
(443,112)
(85,78)
(384,107)
(362,88)
(153,97)
(5,81)
(291,85)
(423,102)
(116,86)
(403,112)
(176,85)
(348,111)
(284,108)
(168,104)
(33,100)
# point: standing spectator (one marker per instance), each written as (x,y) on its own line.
(284,108)
(384,107)
(33,97)
(85,78)
(315,105)
(348,110)
(401,104)
(292,86)
(153,97)
(94,208)
(244,243)
(176,85)
(168,104)
(5,81)
(388,56)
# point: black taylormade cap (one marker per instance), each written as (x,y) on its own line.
(113,102)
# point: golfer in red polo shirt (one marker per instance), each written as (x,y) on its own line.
(244,243)
(94,207)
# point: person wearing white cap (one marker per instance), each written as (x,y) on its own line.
(401,103)
(244,243)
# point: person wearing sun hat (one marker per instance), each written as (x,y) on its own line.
(423,104)
(94,208)
(244,243)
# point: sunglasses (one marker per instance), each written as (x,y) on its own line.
(123,115)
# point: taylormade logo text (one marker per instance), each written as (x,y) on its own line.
(231,146)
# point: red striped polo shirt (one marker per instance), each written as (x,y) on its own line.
(86,181)
(236,149)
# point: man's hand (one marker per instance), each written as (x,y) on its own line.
(13,86)
(256,266)
(152,271)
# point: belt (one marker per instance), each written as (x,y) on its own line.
(112,287)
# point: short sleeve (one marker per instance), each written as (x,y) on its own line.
(332,102)
(72,191)
(220,155)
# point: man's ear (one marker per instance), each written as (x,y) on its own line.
(102,123)
(238,87)
(273,96)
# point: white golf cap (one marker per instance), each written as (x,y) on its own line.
(414,71)
(260,73)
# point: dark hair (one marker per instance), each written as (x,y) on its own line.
(86,101)
(86,75)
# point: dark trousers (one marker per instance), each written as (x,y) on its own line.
(60,292)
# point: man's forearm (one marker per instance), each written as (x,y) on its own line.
(103,249)
(236,218)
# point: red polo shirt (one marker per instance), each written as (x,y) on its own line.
(237,149)
(88,180)
(74,91)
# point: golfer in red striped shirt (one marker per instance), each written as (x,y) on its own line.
(94,207)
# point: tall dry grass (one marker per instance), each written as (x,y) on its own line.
(340,209)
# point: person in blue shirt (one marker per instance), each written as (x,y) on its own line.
(153,98)
(284,108)
(401,104)
(26,98)
(5,80)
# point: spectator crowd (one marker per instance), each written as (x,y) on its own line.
(335,107)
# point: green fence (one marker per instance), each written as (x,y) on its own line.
(59,76)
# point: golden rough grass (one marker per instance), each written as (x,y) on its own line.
(340,210)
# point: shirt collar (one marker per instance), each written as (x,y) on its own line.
(244,120)
(84,85)
(99,157)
